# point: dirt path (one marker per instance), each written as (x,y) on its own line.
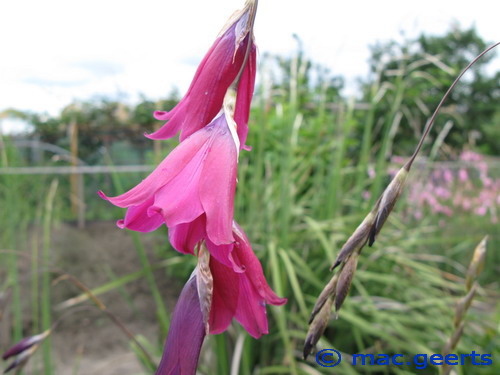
(86,343)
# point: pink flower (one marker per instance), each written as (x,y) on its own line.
(463,175)
(240,288)
(448,176)
(241,294)
(195,185)
(244,97)
(232,53)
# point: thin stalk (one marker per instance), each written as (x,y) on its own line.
(102,307)
(381,160)
(367,133)
(280,313)
(222,354)
(35,272)
(45,294)
(430,123)
(161,311)
(344,125)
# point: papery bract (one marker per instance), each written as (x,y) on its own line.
(194,184)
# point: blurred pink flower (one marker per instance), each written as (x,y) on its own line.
(463,175)
(481,210)
(470,189)
(194,184)
(448,176)
(470,156)
(366,195)
(232,51)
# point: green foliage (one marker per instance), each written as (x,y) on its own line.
(426,67)
(302,191)
(100,123)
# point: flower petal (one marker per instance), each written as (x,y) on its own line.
(184,237)
(178,201)
(185,335)
(203,100)
(223,253)
(171,166)
(251,310)
(253,269)
(244,97)
(225,296)
(138,219)
(218,184)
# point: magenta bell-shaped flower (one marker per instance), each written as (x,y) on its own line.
(232,56)
(194,185)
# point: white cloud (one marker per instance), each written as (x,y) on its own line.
(55,51)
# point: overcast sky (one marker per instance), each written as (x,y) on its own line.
(55,51)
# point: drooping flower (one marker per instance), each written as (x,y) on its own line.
(23,350)
(240,288)
(232,56)
(213,296)
(242,293)
(194,186)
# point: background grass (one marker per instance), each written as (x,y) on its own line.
(302,190)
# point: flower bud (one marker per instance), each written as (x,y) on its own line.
(477,263)
(24,349)
(453,340)
(357,240)
(464,304)
(386,202)
(346,275)
(327,292)
(185,334)
(318,326)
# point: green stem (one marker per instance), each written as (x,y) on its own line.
(46,277)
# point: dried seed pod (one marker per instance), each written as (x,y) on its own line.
(386,203)
(358,239)
(318,326)
(345,280)
(477,263)
(453,340)
(327,292)
(464,304)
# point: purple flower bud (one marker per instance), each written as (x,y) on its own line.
(24,344)
(185,336)
(23,350)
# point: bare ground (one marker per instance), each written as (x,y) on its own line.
(86,342)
